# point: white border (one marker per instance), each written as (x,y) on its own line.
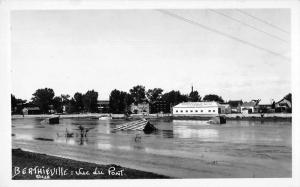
(5,80)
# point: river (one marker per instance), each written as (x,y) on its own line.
(180,149)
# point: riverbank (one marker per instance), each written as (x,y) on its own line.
(238,116)
(260,117)
(28,165)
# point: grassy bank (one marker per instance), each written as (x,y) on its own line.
(29,165)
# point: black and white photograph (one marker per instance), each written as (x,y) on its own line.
(155,93)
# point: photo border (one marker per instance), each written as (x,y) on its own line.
(5,77)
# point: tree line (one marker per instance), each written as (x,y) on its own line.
(46,100)
(119,101)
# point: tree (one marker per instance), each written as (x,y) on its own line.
(78,102)
(173,98)
(13,100)
(194,96)
(90,99)
(115,103)
(119,101)
(213,97)
(17,105)
(71,106)
(138,94)
(65,99)
(128,100)
(154,94)
(43,98)
(57,104)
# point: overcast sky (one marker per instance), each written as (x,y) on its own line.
(238,55)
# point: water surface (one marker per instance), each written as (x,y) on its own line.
(188,148)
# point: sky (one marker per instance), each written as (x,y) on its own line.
(237,54)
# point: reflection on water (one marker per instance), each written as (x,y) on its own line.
(190,122)
(125,148)
(23,136)
(66,140)
(104,146)
(186,132)
(44,139)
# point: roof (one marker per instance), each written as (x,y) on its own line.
(284,100)
(247,104)
(235,103)
(32,108)
(197,104)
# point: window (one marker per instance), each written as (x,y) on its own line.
(191,111)
(196,110)
(176,111)
(201,110)
(213,110)
(209,110)
(186,111)
(181,111)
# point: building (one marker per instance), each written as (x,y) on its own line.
(159,107)
(266,108)
(140,108)
(235,105)
(226,107)
(250,107)
(103,106)
(31,110)
(283,105)
(198,108)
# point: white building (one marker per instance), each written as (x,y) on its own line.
(198,108)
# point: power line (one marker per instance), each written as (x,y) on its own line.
(263,21)
(221,33)
(259,30)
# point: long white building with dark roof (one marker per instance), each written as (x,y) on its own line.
(198,108)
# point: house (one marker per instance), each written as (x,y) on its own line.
(283,105)
(198,108)
(31,110)
(226,107)
(235,105)
(250,107)
(103,106)
(140,108)
(266,108)
(159,107)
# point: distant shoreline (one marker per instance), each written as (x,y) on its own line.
(237,116)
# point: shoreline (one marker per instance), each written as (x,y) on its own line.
(35,166)
(238,116)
